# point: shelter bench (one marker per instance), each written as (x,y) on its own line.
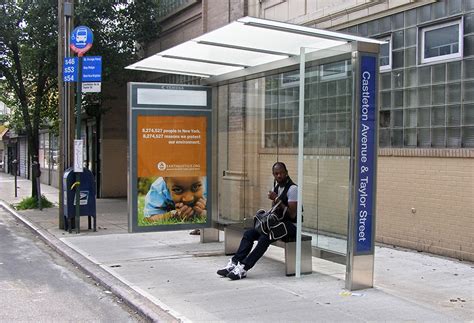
(234,233)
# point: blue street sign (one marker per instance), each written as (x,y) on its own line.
(70,69)
(92,69)
(81,39)
(367,154)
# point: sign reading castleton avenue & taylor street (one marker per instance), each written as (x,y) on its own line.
(366,156)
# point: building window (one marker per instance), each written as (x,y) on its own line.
(385,56)
(334,71)
(290,79)
(441,42)
(281,110)
(48,151)
(327,103)
(426,99)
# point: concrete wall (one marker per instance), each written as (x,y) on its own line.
(427,204)
(50,177)
(197,19)
(177,29)
(113,143)
(328,14)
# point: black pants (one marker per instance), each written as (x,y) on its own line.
(245,255)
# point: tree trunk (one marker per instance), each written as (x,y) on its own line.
(33,151)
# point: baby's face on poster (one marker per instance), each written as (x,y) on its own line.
(187,190)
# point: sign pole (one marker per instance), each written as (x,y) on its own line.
(81,42)
(78,137)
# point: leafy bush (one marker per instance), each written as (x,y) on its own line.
(32,203)
(144,184)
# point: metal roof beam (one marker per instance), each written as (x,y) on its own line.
(250,49)
(333,54)
(162,70)
(303,30)
(204,61)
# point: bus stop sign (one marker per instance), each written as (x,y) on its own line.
(81,40)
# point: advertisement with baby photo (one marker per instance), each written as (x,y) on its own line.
(171,170)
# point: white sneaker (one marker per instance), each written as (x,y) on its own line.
(238,272)
(227,269)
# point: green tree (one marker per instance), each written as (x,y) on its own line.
(28,55)
(28,63)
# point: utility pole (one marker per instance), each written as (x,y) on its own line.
(66,98)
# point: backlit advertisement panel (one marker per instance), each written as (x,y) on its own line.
(171,170)
(170,163)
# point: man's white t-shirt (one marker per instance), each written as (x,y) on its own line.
(292,193)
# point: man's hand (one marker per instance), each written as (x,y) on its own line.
(272,195)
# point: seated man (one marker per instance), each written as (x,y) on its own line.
(245,258)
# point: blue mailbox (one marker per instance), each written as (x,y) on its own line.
(87,197)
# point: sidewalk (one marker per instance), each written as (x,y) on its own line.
(170,276)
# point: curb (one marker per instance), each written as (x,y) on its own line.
(132,298)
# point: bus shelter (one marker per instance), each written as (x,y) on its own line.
(273,91)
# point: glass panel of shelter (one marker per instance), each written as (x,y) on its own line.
(261,127)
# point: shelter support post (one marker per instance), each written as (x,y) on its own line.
(299,216)
(363,167)
(209,235)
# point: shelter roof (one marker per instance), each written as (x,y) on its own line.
(245,43)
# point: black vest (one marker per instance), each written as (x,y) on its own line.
(284,198)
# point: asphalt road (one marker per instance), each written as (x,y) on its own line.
(38,285)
